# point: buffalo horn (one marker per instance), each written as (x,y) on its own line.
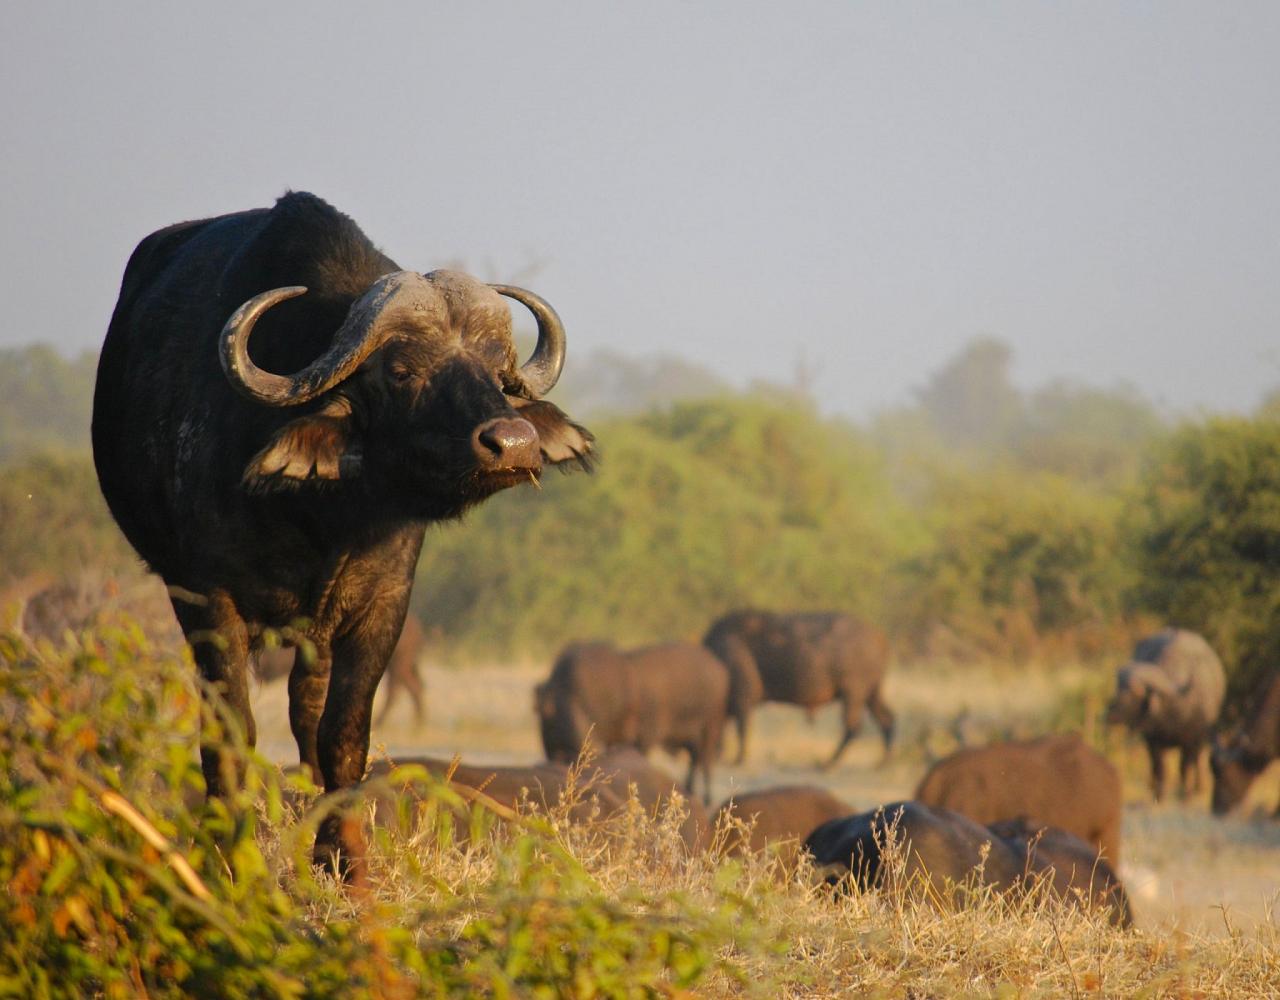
(542,369)
(359,336)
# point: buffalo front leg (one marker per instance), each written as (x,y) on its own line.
(1156,753)
(1189,771)
(220,645)
(740,719)
(342,747)
(308,685)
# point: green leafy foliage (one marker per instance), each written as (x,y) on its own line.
(1015,556)
(53,519)
(120,883)
(45,401)
(693,510)
(1210,541)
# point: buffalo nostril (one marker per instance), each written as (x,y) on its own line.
(507,443)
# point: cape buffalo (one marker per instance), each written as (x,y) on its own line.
(938,852)
(299,500)
(1073,867)
(672,696)
(1055,780)
(607,783)
(1170,693)
(1239,757)
(803,659)
(401,673)
(783,816)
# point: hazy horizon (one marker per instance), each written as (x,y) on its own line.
(863,189)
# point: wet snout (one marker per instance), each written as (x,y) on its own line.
(506,443)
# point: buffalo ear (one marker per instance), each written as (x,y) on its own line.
(314,448)
(561,439)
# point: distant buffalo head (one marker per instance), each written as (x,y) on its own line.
(1236,763)
(421,391)
(1143,692)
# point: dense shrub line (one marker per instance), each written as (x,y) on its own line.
(1006,550)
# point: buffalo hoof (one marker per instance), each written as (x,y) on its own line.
(340,850)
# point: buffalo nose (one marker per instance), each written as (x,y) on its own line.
(507,443)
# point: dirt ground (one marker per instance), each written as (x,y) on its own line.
(1185,869)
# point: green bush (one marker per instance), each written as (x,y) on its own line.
(53,519)
(693,510)
(116,888)
(1210,541)
(1015,556)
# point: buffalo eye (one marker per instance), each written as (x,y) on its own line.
(401,374)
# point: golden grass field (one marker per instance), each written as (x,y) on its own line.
(1188,872)
(543,905)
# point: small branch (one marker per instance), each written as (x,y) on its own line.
(121,807)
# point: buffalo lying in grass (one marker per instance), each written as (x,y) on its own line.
(604,788)
(911,847)
(1055,780)
(782,816)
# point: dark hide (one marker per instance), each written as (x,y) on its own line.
(1170,693)
(807,660)
(939,852)
(672,696)
(401,673)
(1055,780)
(311,515)
(783,817)
(1239,757)
(1071,866)
(607,783)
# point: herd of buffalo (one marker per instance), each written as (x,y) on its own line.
(281,411)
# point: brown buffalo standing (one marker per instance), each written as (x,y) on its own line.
(672,696)
(807,660)
(940,851)
(783,816)
(401,673)
(1170,693)
(1240,756)
(1055,780)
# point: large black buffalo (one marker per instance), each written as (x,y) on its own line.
(280,412)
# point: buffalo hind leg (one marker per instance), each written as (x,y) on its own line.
(852,724)
(884,719)
(693,768)
(219,643)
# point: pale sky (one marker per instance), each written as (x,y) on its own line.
(739,184)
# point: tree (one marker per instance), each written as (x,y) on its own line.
(1210,541)
(970,400)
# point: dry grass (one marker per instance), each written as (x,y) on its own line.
(1203,888)
(794,938)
